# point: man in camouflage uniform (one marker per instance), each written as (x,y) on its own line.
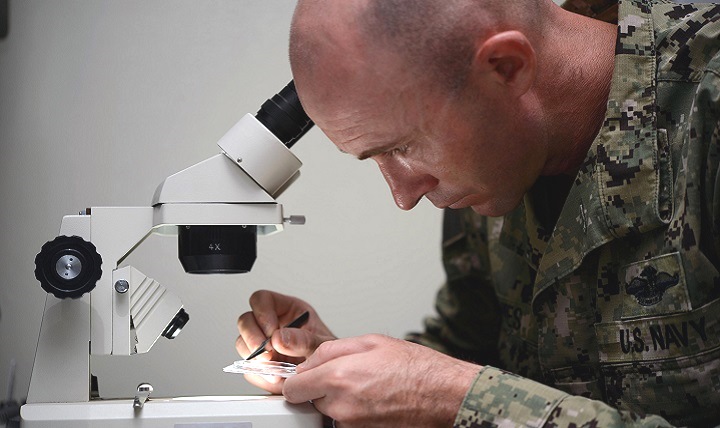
(610,302)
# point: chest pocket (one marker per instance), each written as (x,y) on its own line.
(662,354)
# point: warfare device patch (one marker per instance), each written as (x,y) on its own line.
(650,286)
(654,287)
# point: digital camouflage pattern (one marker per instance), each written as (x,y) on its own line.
(611,307)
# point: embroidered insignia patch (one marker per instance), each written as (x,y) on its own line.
(653,287)
(650,286)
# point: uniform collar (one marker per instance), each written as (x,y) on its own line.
(615,194)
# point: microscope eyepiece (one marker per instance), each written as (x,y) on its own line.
(284,116)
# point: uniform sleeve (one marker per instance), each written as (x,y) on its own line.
(500,399)
(466,325)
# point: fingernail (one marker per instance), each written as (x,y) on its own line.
(268,329)
(285,337)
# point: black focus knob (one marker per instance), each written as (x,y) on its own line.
(68,267)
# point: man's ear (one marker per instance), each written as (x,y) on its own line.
(509,60)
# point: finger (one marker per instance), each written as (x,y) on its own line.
(306,386)
(338,348)
(272,309)
(241,347)
(331,414)
(251,335)
(271,384)
(264,311)
(295,342)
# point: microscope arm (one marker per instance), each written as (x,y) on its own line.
(73,326)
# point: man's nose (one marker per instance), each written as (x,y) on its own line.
(407,185)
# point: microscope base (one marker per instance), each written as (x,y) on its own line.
(190,412)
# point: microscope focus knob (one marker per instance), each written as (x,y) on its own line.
(68,266)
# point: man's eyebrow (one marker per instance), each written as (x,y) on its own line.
(376,151)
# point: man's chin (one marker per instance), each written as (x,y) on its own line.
(495,209)
(490,208)
(483,210)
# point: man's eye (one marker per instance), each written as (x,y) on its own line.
(401,150)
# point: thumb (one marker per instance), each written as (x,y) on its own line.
(295,342)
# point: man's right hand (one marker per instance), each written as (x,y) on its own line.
(270,311)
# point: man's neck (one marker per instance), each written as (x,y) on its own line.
(576,81)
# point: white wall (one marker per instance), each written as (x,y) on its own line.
(101,99)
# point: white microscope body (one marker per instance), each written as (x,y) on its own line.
(124,312)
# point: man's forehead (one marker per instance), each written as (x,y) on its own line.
(338,96)
(349,107)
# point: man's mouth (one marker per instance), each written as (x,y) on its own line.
(452,203)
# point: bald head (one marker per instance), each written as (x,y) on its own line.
(436,39)
(440,37)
